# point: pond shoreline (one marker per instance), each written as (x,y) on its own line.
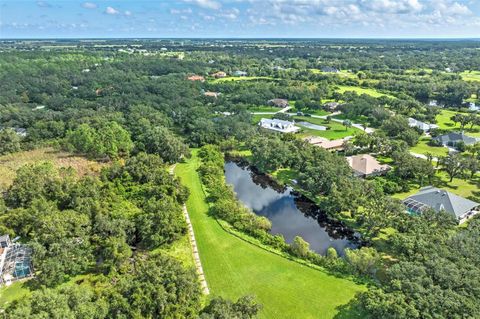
(314,225)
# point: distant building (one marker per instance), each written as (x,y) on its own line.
(240,73)
(329,69)
(5,241)
(211,94)
(330,145)
(440,200)
(331,106)
(473,107)
(365,165)
(219,75)
(279,125)
(453,138)
(432,103)
(278,102)
(425,127)
(196,78)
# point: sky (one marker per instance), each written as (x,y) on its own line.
(240,19)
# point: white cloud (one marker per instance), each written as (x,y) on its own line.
(207,4)
(392,6)
(43,4)
(111,10)
(89,5)
(128,13)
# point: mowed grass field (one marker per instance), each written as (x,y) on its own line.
(234,268)
(444,122)
(468,188)
(470,75)
(11,162)
(359,90)
(336,131)
(423,148)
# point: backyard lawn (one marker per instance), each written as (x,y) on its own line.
(444,122)
(423,148)
(234,268)
(360,90)
(264,109)
(468,188)
(336,131)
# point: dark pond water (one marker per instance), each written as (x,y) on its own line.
(290,213)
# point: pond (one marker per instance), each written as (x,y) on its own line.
(290,213)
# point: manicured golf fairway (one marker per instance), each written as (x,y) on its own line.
(234,267)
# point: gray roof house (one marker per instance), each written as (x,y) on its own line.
(329,69)
(452,138)
(278,102)
(240,73)
(441,200)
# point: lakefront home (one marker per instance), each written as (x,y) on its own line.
(329,145)
(441,200)
(279,125)
(454,138)
(425,127)
(365,165)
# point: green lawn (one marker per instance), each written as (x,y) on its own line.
(362,119)
(336,131)
(180,250)
(257,117)
(470,76)
(234,268)
(360,90)
(241,78)
(444,122)
(13,292)
(468,188)
(423,148)
(264,109)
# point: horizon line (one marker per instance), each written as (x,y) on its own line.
(239,38)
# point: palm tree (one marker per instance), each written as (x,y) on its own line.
(347,124)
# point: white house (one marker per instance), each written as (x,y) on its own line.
(473,107)
(279,125)
(433,103)
(421,125)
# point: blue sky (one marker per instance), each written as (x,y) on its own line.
(239,18)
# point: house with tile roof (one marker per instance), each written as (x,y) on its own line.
(365,165)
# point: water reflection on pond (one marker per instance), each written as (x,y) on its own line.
(291,214)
